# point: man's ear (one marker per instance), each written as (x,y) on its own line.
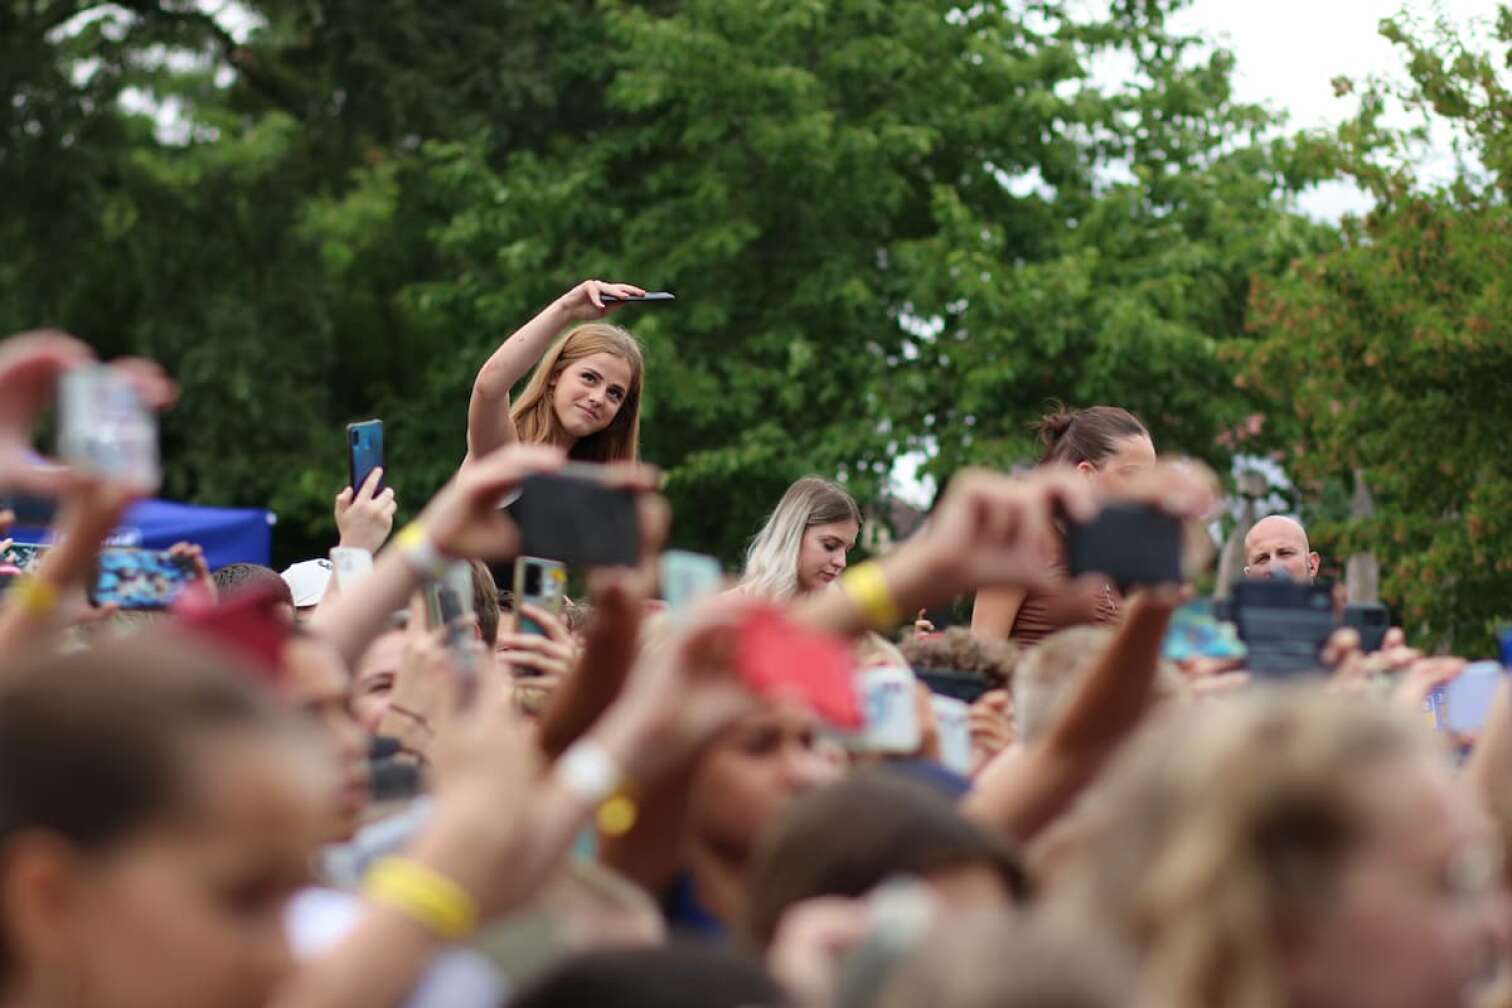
(1313,563)
(1086,468)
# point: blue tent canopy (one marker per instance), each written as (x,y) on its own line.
(227,535)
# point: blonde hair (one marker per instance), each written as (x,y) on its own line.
(1220,834)
(535,416)
(771,568)
(1048,674)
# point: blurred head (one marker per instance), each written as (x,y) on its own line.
(316,682)
(987,959)
(235,578)
(586,393)
(672,976)
(1106,443)
(803,545)
(1279,543)
(1291,849)
(958,650)
(850,837)
(486,606)
(750,775)
(156,812)
(373,684)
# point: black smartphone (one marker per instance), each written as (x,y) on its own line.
(1284,625)
(30,511)
(661,297)
(364,452)
(574,517)
(1132,544)
(1370,620)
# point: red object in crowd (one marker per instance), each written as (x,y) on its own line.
(776,657)
(249,625)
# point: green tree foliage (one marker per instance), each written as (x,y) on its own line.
(1392,353)
(892,226)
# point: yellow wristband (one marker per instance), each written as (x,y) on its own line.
(426,896)
(617,815)
(867,588)
(33,596)
(420,552)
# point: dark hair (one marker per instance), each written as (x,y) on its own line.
(680,975)
(846,839)
(92,743)
(238,577)
(1087,435)
(485,602)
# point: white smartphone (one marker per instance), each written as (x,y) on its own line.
(953,721)
(687,577)
(104,427)
(892,720)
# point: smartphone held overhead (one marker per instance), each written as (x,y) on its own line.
(105,428)
(1131,544)
(140,579)
(650,297)
(541,584)
(574,517)
(364,453)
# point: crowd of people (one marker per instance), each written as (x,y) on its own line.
(300,790)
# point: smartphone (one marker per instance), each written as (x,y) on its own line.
(105,428)
(139,578)
(892,720)
(1197,632)
(541,583)
(30,511)
(449,597)
(1370,620)
(1131,544)
(1463,703)
(687,577)
(364,452)
(1283,624)
(953,722)
(24,556)
(776,657)
(350,565)
(572,516)
(650,297)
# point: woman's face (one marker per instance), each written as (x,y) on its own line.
(374,682)
(1131,456)
(190,912)
(1417,910)
(749,776)
(821,555)
(589,393)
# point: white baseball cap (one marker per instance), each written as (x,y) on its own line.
(308,581)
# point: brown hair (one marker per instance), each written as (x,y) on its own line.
(1086,435)
(535,417)
(846,839)
(486,605)
(93,743)
(958,649)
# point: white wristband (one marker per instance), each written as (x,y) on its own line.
(588,771)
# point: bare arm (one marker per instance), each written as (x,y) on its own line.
(1022,796)
(489,425)
(994,612)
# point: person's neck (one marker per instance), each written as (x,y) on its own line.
(563,439)
(719,881)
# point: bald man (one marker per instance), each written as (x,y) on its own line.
(1279,543)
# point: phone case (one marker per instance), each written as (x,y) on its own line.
(687,577)
(542,584)
(892,720)
(572,517)
(953,721)
(364,452)
(140,579)
(1127,543)
(1465,701)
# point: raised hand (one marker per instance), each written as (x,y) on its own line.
(365,517)
(585,302)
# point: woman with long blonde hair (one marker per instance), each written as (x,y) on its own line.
(804,544)
(585,394)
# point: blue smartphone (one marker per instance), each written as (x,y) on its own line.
(140,579)
(364,452)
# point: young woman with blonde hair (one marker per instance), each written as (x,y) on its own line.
(585,394)
(804,543)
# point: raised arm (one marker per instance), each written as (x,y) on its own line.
(994,612)
(489,425)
